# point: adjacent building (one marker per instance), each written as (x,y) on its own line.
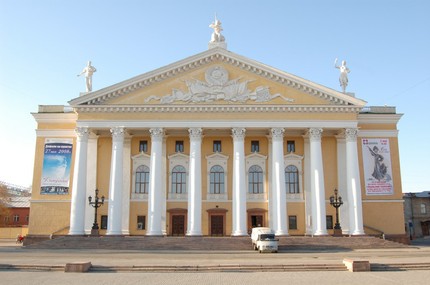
(417,214)
(215,144)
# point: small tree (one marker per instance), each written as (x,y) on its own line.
(4,210)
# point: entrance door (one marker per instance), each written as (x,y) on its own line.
(256,221)
(217,225)
(178,225)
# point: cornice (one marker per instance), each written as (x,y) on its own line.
(379,118)
(208,57)
(216,108)
(56,118)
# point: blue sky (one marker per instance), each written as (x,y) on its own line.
(45,44)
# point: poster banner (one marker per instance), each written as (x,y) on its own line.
(56,166)
(377,167)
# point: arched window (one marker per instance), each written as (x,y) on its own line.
(292,179)
(179,179)
(142,180)
(217,180)
(255,179)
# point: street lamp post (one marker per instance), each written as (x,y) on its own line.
(336,202)
(96,204)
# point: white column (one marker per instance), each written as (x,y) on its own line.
(163,188)
(155,184)
(272,204)
(317,183)
(116,182)
(91,181)
(278,182)
(353,183)
(239,183)
(194,227)
(341,183)
(307,187)
(79,199)
(126,187)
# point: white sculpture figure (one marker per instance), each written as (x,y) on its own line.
(216,35)
(343,77)
(88,71)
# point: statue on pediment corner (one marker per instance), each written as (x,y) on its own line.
(88,71)
(343,77)
(216,35)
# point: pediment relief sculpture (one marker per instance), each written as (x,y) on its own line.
(218,87)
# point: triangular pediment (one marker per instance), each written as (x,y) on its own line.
(216,77)
(217,156)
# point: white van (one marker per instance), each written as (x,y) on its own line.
(263,240)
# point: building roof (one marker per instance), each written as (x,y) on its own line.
(423,194)
(18,202)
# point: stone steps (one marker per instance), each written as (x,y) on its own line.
(399,266)
(286,244)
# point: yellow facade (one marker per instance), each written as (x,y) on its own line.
(129,105)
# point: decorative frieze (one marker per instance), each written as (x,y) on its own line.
(217,109)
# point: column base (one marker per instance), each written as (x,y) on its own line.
(320,233)
(358,233)
(194,234)
(282,233)
(157,234)
(239,234)
(76,233)
(116,233)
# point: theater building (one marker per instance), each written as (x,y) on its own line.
(213,145)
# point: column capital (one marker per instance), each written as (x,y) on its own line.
(82,133)
(156,133)
(315,134)
(195,133)
(117,132)
(238,133)
(351,135)
(277,133)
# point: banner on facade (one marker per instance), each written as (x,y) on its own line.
(377,167)
(56,166)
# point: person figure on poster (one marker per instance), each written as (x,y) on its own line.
(88,71)
(343,77)
(380,169)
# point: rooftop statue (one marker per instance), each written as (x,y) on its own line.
(216,35)
(343,77)
(88,71)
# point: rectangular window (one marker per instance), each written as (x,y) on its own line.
(217,146)
(291,146)
(329,222)
(143,146)
(423,209)
(255,146)
(292,222)
(141,222)
(16,218)
(179,146)
(104,222)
